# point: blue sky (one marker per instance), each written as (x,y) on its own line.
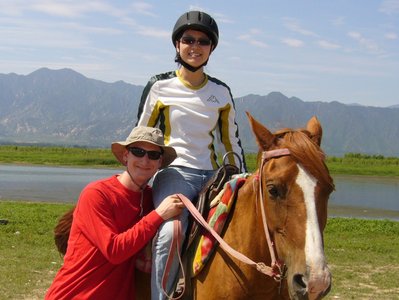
(320,50)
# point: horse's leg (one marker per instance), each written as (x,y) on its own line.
(143,285)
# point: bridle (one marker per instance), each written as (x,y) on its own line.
(276,270)
(276,264)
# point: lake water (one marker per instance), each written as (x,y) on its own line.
(365,196)
(354,196)
(51,184)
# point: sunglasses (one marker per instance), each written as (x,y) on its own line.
(189,40)
(139,152)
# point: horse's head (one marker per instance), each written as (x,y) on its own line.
(296,188)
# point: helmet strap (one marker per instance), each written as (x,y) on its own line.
(189,67)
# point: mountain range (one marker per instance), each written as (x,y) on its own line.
(63,107)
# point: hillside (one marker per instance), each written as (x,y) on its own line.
(346,128)
(65,107)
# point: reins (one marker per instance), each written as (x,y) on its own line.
(276,268)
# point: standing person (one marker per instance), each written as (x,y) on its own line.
(113,220)
(192,109)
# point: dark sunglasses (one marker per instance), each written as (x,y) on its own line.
(139,152)
(189,40)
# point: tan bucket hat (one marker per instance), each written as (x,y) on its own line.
(145,134)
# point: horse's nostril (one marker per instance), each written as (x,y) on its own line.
(298,280)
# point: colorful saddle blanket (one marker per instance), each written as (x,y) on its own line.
(218,213)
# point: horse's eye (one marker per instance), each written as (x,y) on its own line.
(272,190)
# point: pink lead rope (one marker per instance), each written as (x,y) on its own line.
(261,267)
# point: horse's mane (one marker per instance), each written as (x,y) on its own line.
(306,152)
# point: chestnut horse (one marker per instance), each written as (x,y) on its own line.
(295,189)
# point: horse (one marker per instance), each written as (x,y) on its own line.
(291,189)
(294,187)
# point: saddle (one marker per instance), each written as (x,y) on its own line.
(209,192)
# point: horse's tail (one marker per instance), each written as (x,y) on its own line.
(61,231)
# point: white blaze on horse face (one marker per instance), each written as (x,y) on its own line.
(313,246)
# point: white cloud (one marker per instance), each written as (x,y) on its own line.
(389,7)
(295,27)
(391,36)
(244,37)
(37,38)
(74,9)
(251,40)
(222,19)
(154,32)
(91,29)
(197,7)
(327,45)
(219,17)
(235,58)
(67,9)
(253,31)
(293,43)
(258,44)
(143,8)
(12,8)
(59,9)
(339,21)
(364,42)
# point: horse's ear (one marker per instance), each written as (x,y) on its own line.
(316,132)
(264,137)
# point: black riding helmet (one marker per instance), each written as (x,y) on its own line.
(195,20)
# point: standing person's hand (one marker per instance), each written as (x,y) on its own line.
(170,207)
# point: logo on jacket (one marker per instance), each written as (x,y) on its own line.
(213,99)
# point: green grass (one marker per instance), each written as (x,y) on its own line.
(28,259)
(360,164)
(364,258)
(60,156)
(363,254)
(351,163)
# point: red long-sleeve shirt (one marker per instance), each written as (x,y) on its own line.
(106,234)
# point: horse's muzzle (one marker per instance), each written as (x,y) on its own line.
(311,287)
